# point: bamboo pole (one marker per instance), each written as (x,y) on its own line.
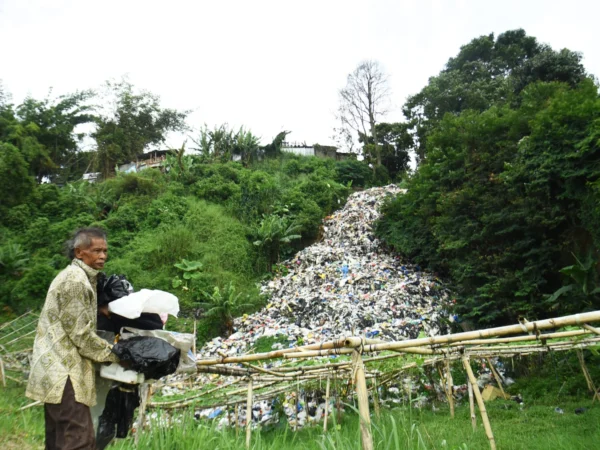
(480,403)
(296,404)
(236,419)
(450,388)
(37,402)
(498,331)
(472,406)
(249,414)
(588,378)
(591,328)
(375,397)
(363,401)
(2,374)
(210,391)
(326,405)
(194,343)
(529,337)
(496,376)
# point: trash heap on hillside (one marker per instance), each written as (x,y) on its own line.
(345,285)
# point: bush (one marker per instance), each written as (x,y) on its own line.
(358,173)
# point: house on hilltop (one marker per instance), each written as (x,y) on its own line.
(320,151)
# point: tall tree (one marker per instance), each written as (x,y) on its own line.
(396,142)
(47,133)
(362,102)
(488,71)
(133,122)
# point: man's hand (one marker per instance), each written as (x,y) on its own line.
(125,364)
(104,310)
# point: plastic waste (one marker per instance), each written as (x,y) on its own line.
(117,417)
(181,341)
(112,287)
(145,301)
(153,357)
(116,372)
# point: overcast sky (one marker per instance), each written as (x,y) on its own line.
(267,65)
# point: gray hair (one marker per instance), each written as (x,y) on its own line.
(82,238)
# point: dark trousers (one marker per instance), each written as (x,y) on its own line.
(69,424)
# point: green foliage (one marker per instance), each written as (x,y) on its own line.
(221,144)
(135,122)
(500,201)
(487,71)
(273,234)
(15,182)
(222,305)
(353,173)
(13,259)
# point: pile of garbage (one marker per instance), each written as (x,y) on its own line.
(308,409)
(347,284)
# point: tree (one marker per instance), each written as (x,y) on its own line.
(503,199)
(396,141)
(488,71)
(15,182)
(222,144)
(46,133)
(273,233)
(362,102)
(134,121)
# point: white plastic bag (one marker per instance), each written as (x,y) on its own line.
(145,301)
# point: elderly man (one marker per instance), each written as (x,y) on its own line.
(66,345)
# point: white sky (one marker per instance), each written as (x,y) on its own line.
(267,65)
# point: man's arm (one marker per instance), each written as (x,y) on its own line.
(76,318)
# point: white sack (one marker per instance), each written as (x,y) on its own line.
(145,301)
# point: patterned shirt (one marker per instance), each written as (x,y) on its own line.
(66,342)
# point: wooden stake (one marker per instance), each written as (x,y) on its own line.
(472,406)
(249,414)
(236,418)
(338,406)
(326,405)
(296,407)
(194,343)
(450,388)
(363,401)
(496,376)
(375,397)
(2,373)
(588,378)
(480,403)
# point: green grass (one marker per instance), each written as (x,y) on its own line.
(537,426)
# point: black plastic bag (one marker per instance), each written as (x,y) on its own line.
(114,323)
(112,288)
(153,357)
(119,409)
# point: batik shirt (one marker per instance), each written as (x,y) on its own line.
(66,343)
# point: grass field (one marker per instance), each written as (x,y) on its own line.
(536,426)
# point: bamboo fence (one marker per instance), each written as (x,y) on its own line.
(525,338)
(255,382)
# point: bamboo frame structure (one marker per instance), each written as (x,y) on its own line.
(258,382)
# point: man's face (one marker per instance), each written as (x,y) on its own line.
(95,255)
